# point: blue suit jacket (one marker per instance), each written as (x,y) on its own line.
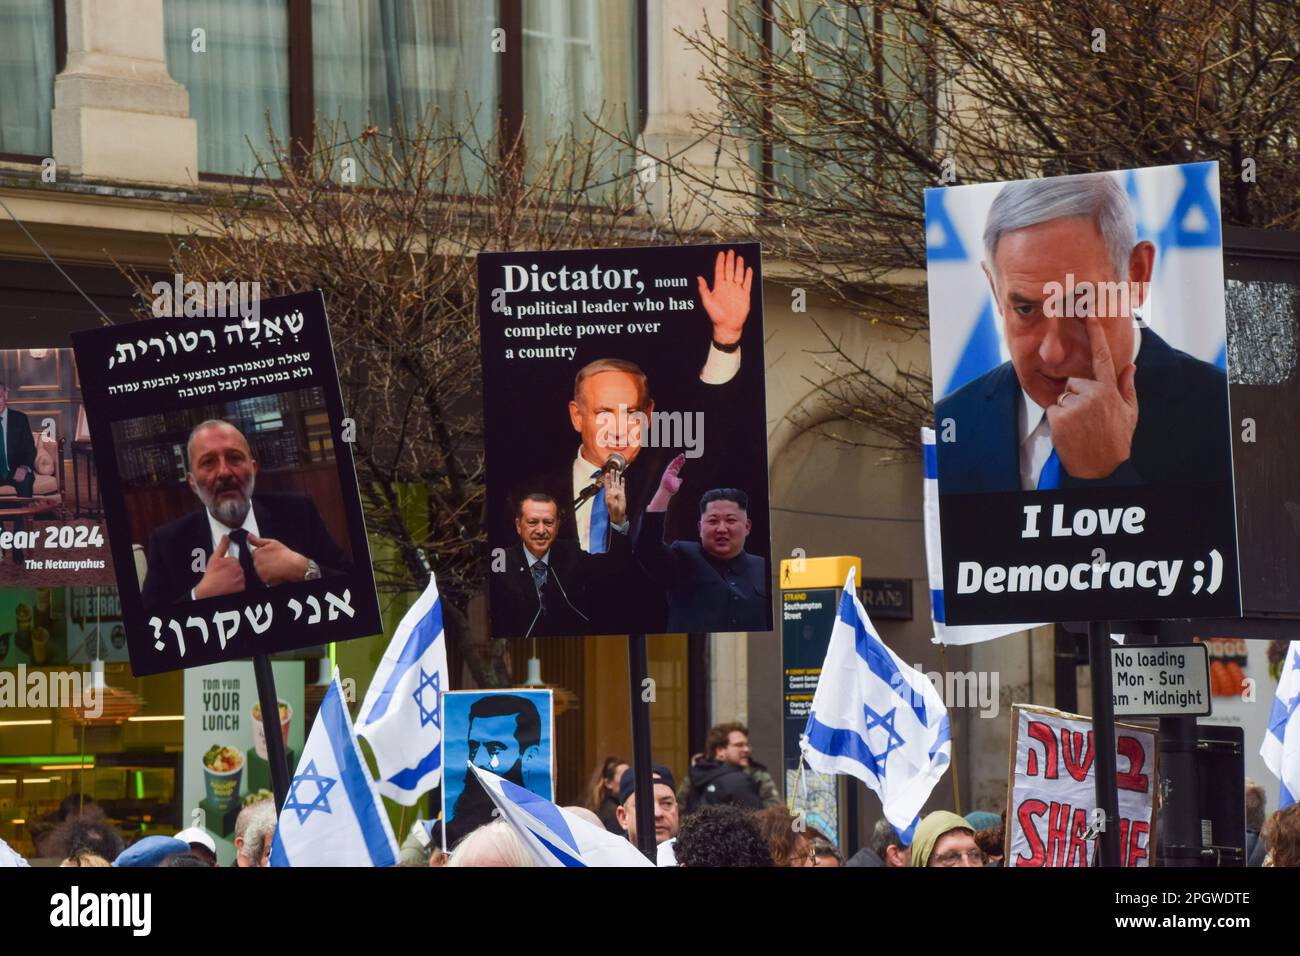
(1182,431)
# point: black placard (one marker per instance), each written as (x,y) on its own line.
(1153,563)
(271,375)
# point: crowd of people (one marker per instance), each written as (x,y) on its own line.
(727,812)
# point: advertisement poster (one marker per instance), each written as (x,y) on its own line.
(626,440)
(1051,816)
(95,629)
(225,766)
(229,485)
(1081,399)
(506,732)
(33,629)
(51,527)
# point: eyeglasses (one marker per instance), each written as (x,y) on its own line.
(975,857)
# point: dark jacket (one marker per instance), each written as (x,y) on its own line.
(1255,849)
(714,783)
(564,607)
(608,814)
(704,594)
(290,519)
(1182,430)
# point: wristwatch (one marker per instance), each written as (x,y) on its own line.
(313,571)
(726,348)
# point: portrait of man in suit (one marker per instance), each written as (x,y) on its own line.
(1091,396)
(548,583)
(249,541)
(18,450)
(713,584)
(508,734)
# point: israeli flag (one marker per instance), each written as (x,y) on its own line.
(401,717)
(333,816)
(555,836)
(943,634)
(876,718)
(1281,748)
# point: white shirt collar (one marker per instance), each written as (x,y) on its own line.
(218,529)
(1032,414)
(533,559)
(582,470)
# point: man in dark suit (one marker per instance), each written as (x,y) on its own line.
(248,541)
(18,450)
(714,585)
(546,585)
(1066,271)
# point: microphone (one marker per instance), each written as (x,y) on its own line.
(615,463)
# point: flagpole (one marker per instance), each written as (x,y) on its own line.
(270,704)
(794,789)
(952,731)
(1103,735)
(638,662)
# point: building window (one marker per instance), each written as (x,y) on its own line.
(381,62)
(237,80)
(28,64)
(393,62)
(580,64)
(869,63)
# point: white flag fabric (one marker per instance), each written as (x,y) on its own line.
(876,718)
(1281,748)
(943,634)
(555,836)
(333,816)
(401,717)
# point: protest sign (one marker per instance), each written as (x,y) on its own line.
(1052,816)
(1081,402)
(229,486)
(640,369)
(506,732)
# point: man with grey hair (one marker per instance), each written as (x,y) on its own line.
(238,541)
(1090,397)
(254,830)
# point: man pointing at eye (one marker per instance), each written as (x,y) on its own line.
(1088,397)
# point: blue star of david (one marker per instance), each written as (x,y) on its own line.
(323,786)
(893,741)
(428,716)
